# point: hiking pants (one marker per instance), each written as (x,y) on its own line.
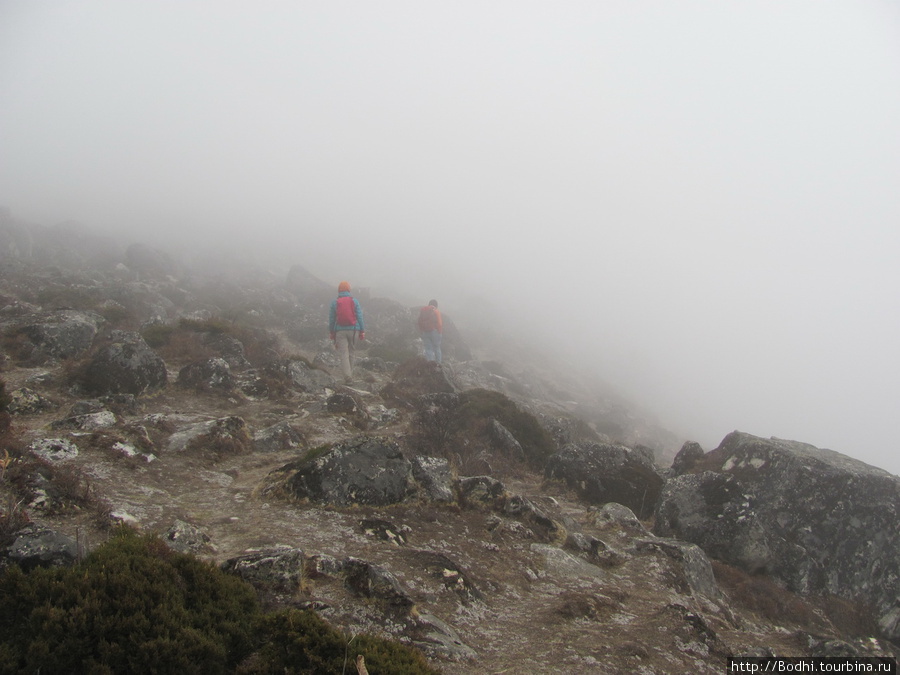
(344,340)
(432,341)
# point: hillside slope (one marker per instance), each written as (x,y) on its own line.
(509,572)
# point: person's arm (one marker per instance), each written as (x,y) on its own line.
(332,317)
(440,321)
(359,317)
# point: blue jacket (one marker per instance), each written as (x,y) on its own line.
(333,327)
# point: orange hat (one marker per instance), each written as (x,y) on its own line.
(343,286)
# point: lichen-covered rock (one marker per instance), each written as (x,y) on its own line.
(695,570)
(25,401)
(434,477)
(186,538)
(212,373)
(54,449)
(373,581)
(125,366)
(61,334)
(302,376)
(229,348)
(504,442)
(814,519)
(36,546)
(102,419)
(278,568)
(687,458)
(280,436)
(370,471)
(223,436)
(604,472)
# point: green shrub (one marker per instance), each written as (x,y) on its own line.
(299,642)
(134,605)
(157,335)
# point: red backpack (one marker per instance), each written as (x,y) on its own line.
(427,319)
(346,311)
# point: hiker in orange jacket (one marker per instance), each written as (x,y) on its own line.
(431,327)
(345,323)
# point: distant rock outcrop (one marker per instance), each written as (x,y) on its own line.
(815,519)
(603,472)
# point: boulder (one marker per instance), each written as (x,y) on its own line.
(687,458)
(223,436)
(60,335)
(25,401)
(504,442)
(54,449)
(813,519)
(274,568)
(372,581)
(434,478)
(36,546)
(103,419)
(604,472)
(280,436)
(695,570)
(125,366)
(413,379)
(229,348)
(303,377)
(370,471)
(186,538)
(212,373)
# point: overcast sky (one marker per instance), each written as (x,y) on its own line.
(698,200)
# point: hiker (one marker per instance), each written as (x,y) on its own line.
(345,323)
(431,326)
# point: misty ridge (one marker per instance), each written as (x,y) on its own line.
(467,511)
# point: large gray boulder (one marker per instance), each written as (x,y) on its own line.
(127,365)
(208,374)
(368,471)
(814,519)
(605,472)
(37,546)
(303,377)
(59,335)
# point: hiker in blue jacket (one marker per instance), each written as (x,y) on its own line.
(345,323)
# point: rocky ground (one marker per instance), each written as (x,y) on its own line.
(480,586)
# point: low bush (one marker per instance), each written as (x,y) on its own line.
(136,606)
(763,596)
(132,606)
(158,334)
(298,641)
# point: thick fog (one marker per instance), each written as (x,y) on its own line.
(698,201)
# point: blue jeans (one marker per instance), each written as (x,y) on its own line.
(432,341)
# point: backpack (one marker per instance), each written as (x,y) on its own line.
(427,319)
(346,311)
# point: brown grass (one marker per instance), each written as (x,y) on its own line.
(762,595)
